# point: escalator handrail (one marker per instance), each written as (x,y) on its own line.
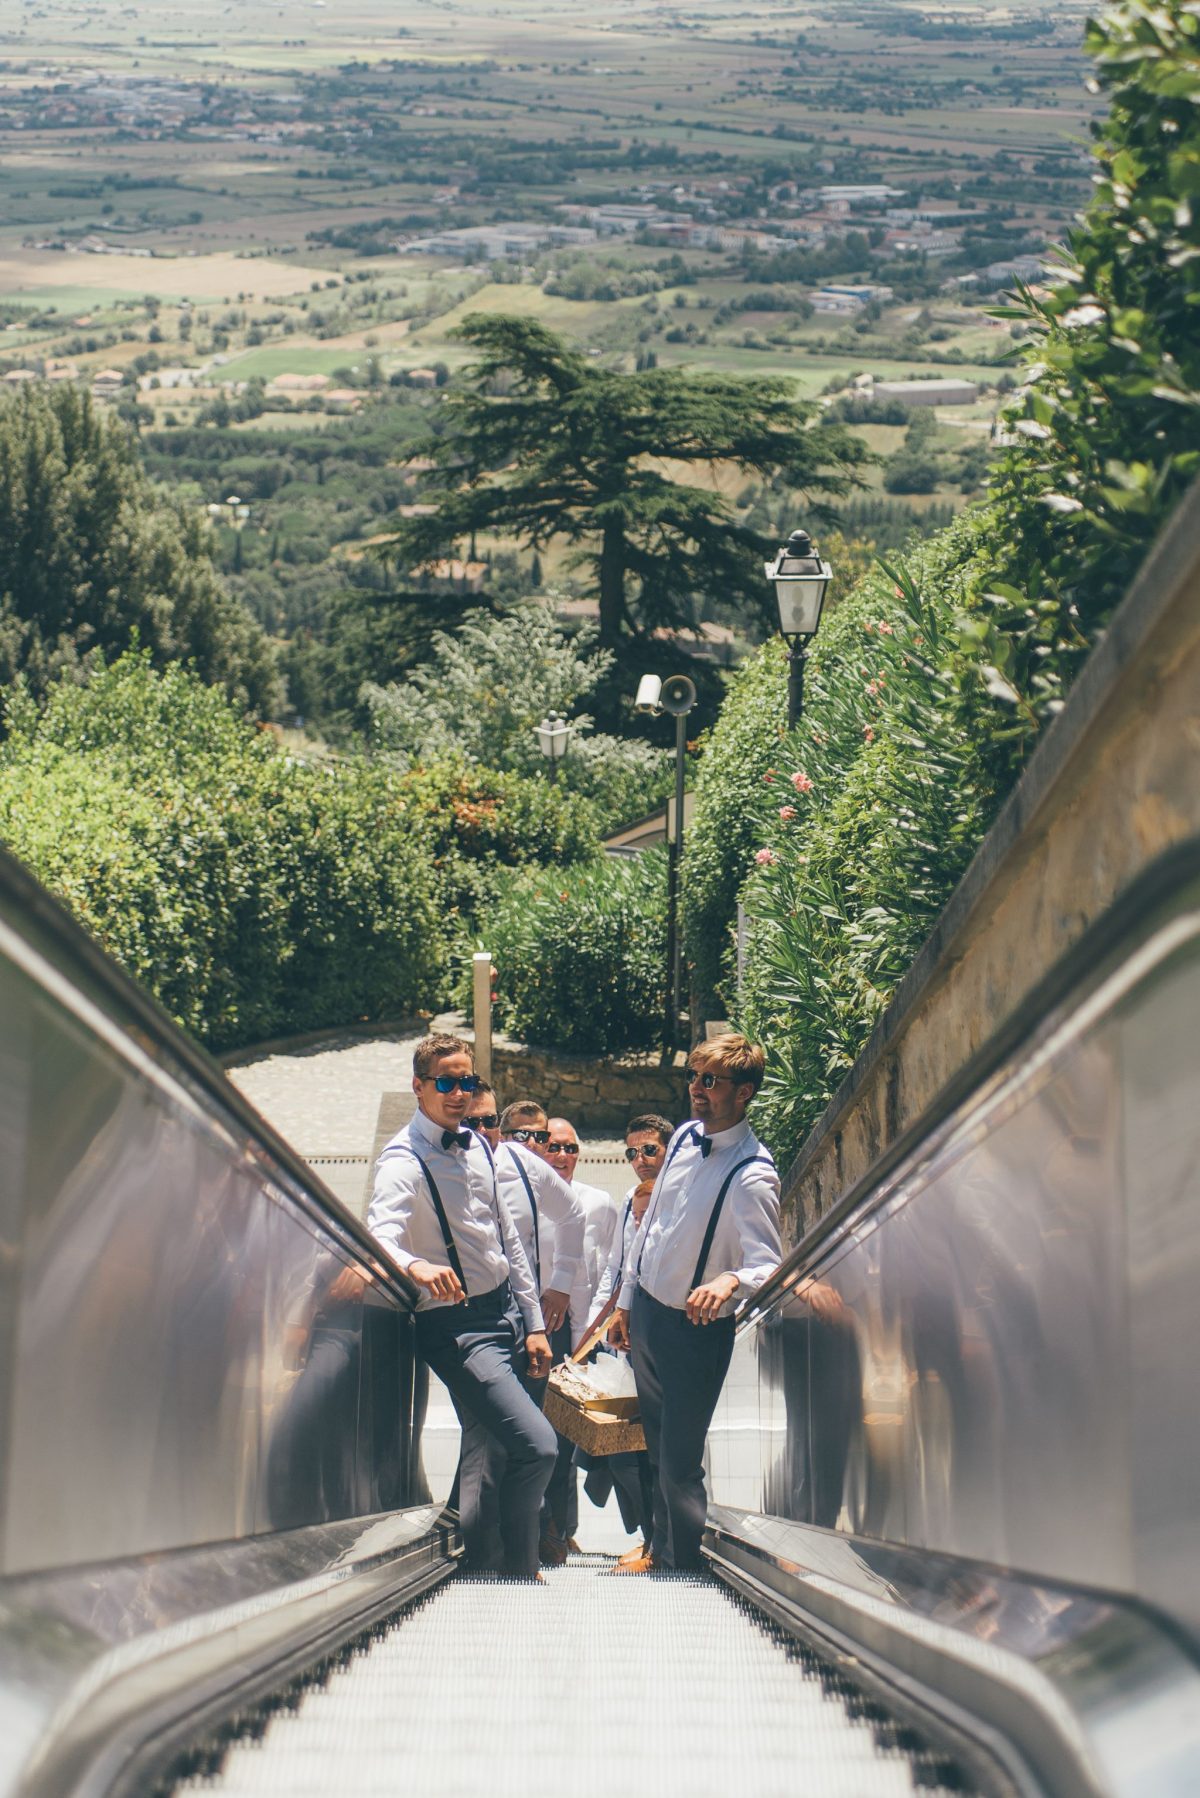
(1134,916)
(54,934)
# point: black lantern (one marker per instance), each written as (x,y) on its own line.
(801,580)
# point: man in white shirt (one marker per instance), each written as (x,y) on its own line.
(710,1237)
(560,1517)
(600,1212)
(545,1209)
(646,1140)
(479,1324)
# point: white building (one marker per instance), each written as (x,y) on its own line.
(928,393)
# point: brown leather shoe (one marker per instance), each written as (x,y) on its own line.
(552,1550)
(633,1554)
(643,1563)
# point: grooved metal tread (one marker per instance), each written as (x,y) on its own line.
(647,1687)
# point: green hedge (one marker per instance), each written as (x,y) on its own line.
(864,818)
(480,823)
(253,895)
(580,955)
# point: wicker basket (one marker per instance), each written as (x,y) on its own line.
(593,1421)
(595,1430)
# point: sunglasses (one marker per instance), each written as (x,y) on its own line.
(486,1121)
(707,1081)
(446,1083)
(563,1148)
(540,1137)
(650,1150)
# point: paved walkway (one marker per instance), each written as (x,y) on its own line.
(324,1099)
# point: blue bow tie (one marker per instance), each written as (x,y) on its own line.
(456,1139)
(702,1142)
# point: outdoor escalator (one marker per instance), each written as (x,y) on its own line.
(951,1543)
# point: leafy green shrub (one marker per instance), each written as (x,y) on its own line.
(581,955)
(251,894)
(479,822)
(1107,433)
(482,693)
(885,802)
(729,819)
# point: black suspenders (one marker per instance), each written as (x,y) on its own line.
(537,1240)
(714,1217)
(443,1220)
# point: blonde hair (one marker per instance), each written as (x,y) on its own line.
(731,1054)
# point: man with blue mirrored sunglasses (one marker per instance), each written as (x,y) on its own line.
(479,1325)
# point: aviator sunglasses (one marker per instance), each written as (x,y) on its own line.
(446,1083)
(563,1148)
(650,1150)
(487,1120)
(707,1081)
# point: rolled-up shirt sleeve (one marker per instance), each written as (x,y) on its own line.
(390,1214)
(755,1208)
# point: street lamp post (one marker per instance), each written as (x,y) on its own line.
(676,695)
(553,735)
(801,580)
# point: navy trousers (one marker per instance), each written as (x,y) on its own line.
(680,1368)
(477,1350)
(562,1496)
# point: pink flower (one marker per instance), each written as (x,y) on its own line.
(769,779)
(899,592)
(787,813)
(868,626)
(765,857)
(873,688)
(801,782)
(885,629)
(868,733)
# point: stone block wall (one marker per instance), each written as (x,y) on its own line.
(595,1093)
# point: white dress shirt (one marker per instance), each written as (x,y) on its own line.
(746,1243)
(402,1216)
(624,1236)
(557,1242)
(600,1212)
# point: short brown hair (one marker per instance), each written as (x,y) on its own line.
(651,1121)
(432,1048)
(521,1111)
(731,1054)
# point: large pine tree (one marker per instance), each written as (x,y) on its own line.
(542,444)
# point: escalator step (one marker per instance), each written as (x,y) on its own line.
(655,1687)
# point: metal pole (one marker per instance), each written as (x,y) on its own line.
(674,1009)
(481,987)
(796,659)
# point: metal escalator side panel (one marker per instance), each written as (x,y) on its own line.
(989,1356)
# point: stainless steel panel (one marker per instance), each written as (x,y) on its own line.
(994,1355)
(194,1348)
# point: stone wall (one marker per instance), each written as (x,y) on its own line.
(1113,785)
(597,1093)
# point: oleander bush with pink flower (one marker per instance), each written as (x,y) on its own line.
(842,839)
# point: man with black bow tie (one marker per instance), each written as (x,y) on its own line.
(479,1321)
(709,1238)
